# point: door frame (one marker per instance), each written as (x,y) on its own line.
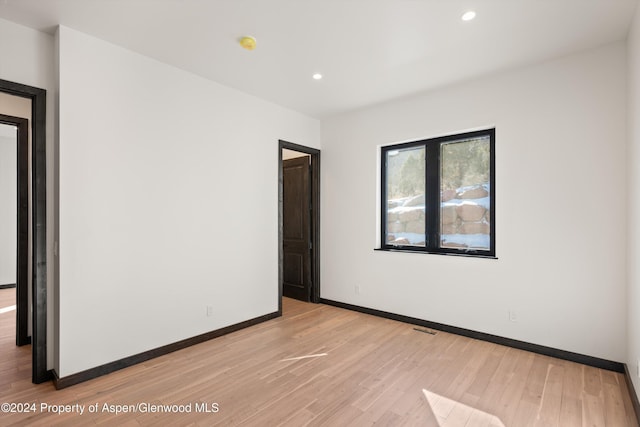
(38,97)
(314,220)
(22,227)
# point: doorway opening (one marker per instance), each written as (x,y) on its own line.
(14,217)
(38,209)
(299,222)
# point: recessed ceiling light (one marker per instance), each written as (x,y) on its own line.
(468,15)
(317,76)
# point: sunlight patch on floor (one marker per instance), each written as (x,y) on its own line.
(304,357)
(450,413)
(7,309)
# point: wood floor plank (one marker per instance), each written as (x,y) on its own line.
(352,369)
(549,410)
(571,405)
(514,387)
(613,400)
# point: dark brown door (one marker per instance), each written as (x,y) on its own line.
(296,229)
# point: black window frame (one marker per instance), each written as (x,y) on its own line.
(432,196)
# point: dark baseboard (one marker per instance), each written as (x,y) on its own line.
(522,345)
(8,286)
(632,392)
(98,371)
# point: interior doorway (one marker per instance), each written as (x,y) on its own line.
(14,217)
(38,210)
(299,222)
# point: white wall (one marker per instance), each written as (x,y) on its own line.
(168,202)
(8,203)
(560,213)
(27,58)
(633,160)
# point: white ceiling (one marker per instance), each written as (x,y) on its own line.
(369,51)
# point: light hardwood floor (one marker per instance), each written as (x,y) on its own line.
(321,365)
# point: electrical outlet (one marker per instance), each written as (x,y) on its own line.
(357,289)
(209,311)
(513,316)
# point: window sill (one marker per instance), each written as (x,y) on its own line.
(413,251)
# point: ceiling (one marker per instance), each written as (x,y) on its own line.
(369,51)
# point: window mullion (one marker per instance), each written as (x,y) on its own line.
(432,195)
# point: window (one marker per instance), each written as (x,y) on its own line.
(438,195)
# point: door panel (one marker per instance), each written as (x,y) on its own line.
(296,229)
(293,268)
